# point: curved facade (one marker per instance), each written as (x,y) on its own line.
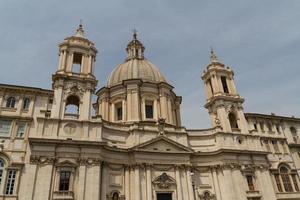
(134,146)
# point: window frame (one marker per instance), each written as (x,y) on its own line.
(2,133)
(26,103)
(10,102)
(149,103)
(11,181)
(118,107)
(24,129)
(66,181)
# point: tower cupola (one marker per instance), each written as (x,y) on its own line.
(223,102)
(74,81)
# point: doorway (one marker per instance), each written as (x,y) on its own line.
(164,196)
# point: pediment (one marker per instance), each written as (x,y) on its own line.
(162,144)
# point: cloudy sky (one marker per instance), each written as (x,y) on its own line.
(260,40)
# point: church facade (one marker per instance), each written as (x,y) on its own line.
(129,144)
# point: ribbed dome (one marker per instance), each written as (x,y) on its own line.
(136,69)
(135,66)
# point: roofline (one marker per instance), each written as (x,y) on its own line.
(272,116)
(29,88)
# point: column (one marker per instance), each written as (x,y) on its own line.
(170,111)
(190,184)
(81,182)
(63,62)
(129,116)
(163,106)
(242,121)
(239,182)
(263,178)
(149,182)
(137,193)
(127,182)
(185,190)
(178,183)
(70,62)
(56,107)
(216,182)
(104,181)
(19,104)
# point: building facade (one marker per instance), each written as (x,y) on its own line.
(129,144)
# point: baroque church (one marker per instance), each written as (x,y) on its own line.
(129,143)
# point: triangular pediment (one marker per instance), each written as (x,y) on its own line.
(162,144)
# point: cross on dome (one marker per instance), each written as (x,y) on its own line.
(80,31)
(213,57)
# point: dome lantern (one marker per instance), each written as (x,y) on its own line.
(135,49)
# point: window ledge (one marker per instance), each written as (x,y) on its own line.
(253,193)
(9,109)
(9,195)
(63,195)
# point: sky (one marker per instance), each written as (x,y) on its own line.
(259,40)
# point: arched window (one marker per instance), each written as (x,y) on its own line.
(293,131)
(1,169)
(26,103)
(72,107)
(287,184)
(232,120)
(115,196)
(10,102)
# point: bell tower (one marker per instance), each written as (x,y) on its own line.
(223,102)
(74,82)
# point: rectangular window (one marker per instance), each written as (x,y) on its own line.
(255,126)
(278,128)
(275,145)
(21,129)
(262,127)
(250,182)
(294,177)
(149,110)
(5,127)
(64,180)
(277,179)
(266,142)
(224,84)
(269,124)
(283,147)
(10,184)
(119,112)
(77,59)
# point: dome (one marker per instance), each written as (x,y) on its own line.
(135,66)
(136,69)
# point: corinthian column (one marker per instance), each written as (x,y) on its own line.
(149,182)
(137,193)
(178,183)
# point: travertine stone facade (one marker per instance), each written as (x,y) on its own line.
(130,145)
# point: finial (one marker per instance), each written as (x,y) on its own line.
(213,57)
(80,31)
(134,34)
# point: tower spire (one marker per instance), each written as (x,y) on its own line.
(213,57)
(80,31)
